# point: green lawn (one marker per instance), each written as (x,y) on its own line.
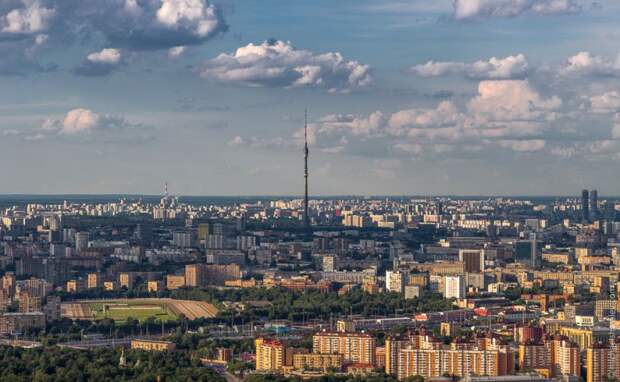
(120,310)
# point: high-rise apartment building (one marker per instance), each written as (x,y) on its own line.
(195,275)
(432,363)
(269,354)
(534,356)
(565,358)
(597,363)
(354,347)
(395,281)
(454,287)
(393,346)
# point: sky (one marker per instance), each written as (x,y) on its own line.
(418,97)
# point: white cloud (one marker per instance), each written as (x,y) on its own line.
(29,19)
(345,124)
(151,24)
(106,56)
(585,63)
(509,114)
(79,121)
(83,122)
(100,63)
(446,114)
(606,103)
(236,141)
(495,68)
(526,145)
(278,63)
(176,52)
(477,9)
(511,100)
(196,15)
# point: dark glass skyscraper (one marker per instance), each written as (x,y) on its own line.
(585,210)
(593,205)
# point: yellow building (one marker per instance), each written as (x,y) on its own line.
(126,280)
(269,354)
(203,231)
(534,356)
(597,363)
(584,337)
(565,358)
(448,329)
(94,280)
(152,345)
(175,282)
(155,286)
(195,275)
(354,347)
(312,361)
(393,346)
(431,363)
(74,286)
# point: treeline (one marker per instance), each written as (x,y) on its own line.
(312,304)
(101,365)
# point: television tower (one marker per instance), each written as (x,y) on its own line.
(306,153)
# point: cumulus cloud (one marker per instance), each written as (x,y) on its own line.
(100,63)
(605,103)
(345,124)
(495,68)
(30,18)
(156,24)
(511,100)
(278,63)
(480,9)
(128,25)
(585,63)
(444,121)
(506,115)
(83,122)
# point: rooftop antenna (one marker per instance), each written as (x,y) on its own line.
(166,189)
(306,153)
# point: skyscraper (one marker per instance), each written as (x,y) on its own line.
(593,205)
(585,213)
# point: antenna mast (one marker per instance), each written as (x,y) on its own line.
(306,153)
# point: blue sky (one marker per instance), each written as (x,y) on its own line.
(404,97)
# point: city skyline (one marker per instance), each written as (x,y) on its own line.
(404,97)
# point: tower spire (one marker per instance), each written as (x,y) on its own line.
(306,154)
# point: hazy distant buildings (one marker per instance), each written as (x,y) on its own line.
(81,241)
(528,252)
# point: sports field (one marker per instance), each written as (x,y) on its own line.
(141,309)
(121,310)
